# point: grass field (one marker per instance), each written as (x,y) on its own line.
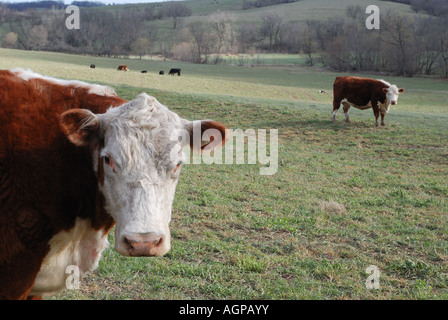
(345,196)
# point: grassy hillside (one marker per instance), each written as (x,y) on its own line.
(345,196)
(297,11)
(300,11)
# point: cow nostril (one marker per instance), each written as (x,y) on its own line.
(143,244)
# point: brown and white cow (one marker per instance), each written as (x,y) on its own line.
(75,160)
(363,93)
(122,67)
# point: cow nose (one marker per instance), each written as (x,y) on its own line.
(394,102)
(144,244)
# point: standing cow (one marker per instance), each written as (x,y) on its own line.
(75,160)
(363,93)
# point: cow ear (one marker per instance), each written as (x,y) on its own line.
(81,126)
(206,134)
(401,90)
(385,90)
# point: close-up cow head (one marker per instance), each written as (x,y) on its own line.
(392,93)
(137,170)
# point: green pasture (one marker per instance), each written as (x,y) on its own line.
(300,11)
(345,196)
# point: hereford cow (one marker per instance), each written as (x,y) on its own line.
(122,67)
(75,160)
(364,94)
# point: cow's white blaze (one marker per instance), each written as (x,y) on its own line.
(136,166)
(392,93)
(139,187)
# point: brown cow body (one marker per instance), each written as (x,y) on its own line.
(363,93)
(76,160)
(122,67)
(47,185)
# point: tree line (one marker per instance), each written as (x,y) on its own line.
(22,6)
(404,45)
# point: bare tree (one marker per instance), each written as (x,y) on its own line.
(443,47)
(290,37)
(247,36)
(198,30)
(56,35)
(400,52)
(221,26)
(270,27)
(140,47)
(308,43)
(107,38)
(38,37)
(11,40)
(131,28)
(353,11)
(426,34)
(185,51)
(337,54)
(177,11)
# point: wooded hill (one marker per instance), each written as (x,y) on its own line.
(412,39)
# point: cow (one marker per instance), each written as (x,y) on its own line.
(161,72)
(143,71)
(92,66)
(76,160)
(363,93)
(122,68)
(174,71)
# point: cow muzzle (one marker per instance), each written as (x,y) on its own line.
(145,244)
(393,103)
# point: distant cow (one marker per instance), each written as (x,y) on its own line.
(143,71)
(162,72)
(363,93)
(75,160)
(122,67)
(174,71)
(92,66)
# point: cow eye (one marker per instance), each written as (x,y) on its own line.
(109,161)
(177,166)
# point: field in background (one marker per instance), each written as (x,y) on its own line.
(300,11)
(344,197)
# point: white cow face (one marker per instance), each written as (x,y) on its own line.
(392,94)
(136,167)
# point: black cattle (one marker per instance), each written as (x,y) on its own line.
(162,72)
(174,71)
(144,71)
(92,66)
